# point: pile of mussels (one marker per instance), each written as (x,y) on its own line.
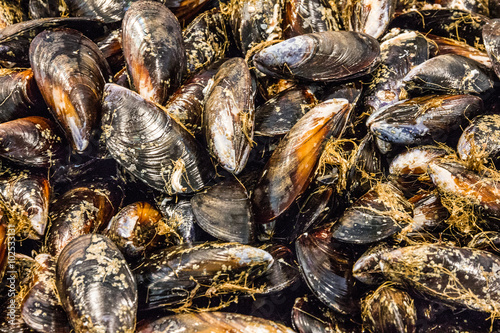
(250,166)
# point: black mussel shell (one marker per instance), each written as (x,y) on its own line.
(224,211)
(308,16)
(453,46)
(104,10)
(367,268)
(486,240)
(491,37)
(97,289)
(480,141)
(428,213)
(151,145)
(323,56)
(181,224)
(43,8)
(371,18)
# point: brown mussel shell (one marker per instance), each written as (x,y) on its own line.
(15,39)
(491,37)
(70,71)
(174,276)
(96,287)
(233,223)
(428,213)
(41,308)
(154,50)
(290,168)
(213,322)
(32,141)
(322,56)
(453,46)
(134,229)
(369,17)
(228,118)
(308,16)
(43,8)
(151,145)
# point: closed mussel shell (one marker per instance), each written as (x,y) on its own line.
(486,240)
(491,37)
(33,141)
(423,120)
(151,145)
(214,322)
(134,229)
(104,10)
(288,172)
(380,213)
(307,16)
(449,74)
(323,56)
(326,266)
(480,141)
(154,50)
(41,308)
(369,17)
(428,213)
(174,276)
(43,8)
(233,223)
(367,268)
(96,287)
(70,71)
(389,309)
(453,46)
(228,118)
(180,222)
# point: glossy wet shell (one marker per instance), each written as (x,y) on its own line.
(151,145)
(96,287)
(369,16)
(70,71)
(154,50)
(104,10)
(228,117)
(307,16)
(213,322)
(491,36)
(480,140)
(323,56)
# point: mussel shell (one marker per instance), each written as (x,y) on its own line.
(367,268)
(171,277)
(310,316)
(453,275)
(486,240)
(154,50)
(206,40)
(79,211)
(326,266)
(379,214)
(111,48)
(491,37)
(32,141)
(96,287)
(322,56)
(235,222)
(25,199)
(41,308)
(180,218)
(228,117)
(19,94)
(70,71)
(389,310)
(134,229)
(480,140)
(215,322)
(15,39)
(278,115)
(288,172)
(453,46)
(370,17)
(428,213)
(307,16)
(423,120)
(450,74)
(43,8)
(151,145)
(104,10)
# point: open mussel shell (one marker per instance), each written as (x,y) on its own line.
(228,117)
(32,141)
(15,39)
(107,11)
(423,120)
(379,214)
(19,94)
(81,210)
(206,40)
(326,266)
(154,50)
(134,229)
(369,17)
(41,308)
(25,200)
(307,16)
(449,74)
(174,276)
(214,322)
(96,287)
(233,223)
(311,316)
(491,37)
(453,275)
(70,71)
(152,146)
(323,56)
(290,168)
(480,141)
(278,115)
(388,309)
